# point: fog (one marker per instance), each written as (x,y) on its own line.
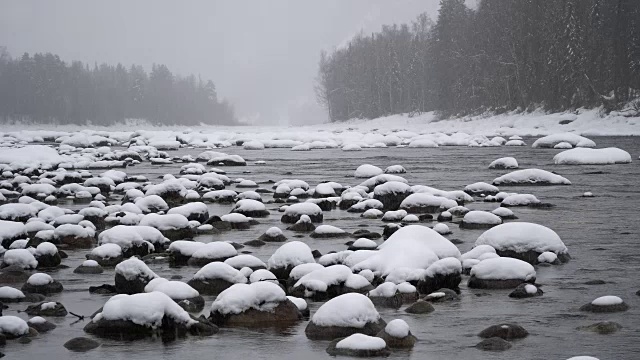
(262,55)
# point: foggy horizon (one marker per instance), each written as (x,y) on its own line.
(262,57)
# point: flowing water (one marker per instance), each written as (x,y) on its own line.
(602,234)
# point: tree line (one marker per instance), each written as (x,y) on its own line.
(503,55)
(44,89)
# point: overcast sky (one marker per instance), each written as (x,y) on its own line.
(261,54)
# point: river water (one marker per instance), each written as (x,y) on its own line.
(602,234)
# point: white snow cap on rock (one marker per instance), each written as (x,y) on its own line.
(176,290)
(262,296)
(361,342)
(145,309)
(291,254)
(39,279)
(220,270)
(607,301)
(504,163)
(133,267)
(585,156)
(397,328)
(550,141)
(367,171)
(13,325)
(530,176)
(503,268)
(347,310)
(522,237)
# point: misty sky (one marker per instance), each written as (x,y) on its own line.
(262,55)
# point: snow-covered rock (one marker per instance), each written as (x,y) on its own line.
(586,156)
(550,141)
(501,273)
(215,277)
(367,171)
(504,163)
(531,177)
(479,220)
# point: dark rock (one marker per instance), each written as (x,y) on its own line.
(48,261)
(42,327)
(255,243)
(420,307)
(389,229)
(302,227)
(195,304)
(444,217)
(169,329)
(13,274)
(504,331)
(329,235)
(406,342)
(604,308)
(278,238)
(476,226)
(209,286)
(286,313)
(441,296)
(317,332)
(81,344)
(73,242)
(432,283)
(105,261)
(40,310)
(88,270)
(393,302)
(104,289)
(133,286)
(476,283)
(494,344)
(33,297)
(316,254)
(603,328)
(335,351)
(521,292)
(362,233)
(24,340)
(595,282)
(293,218)
(392,200)
(51,288)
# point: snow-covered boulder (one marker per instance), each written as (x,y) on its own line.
(41,283)
(132,275)
(531,177)
(480,220)
(106,254)
(193,211)
(504,213)
(358,345)
(172,226)
(138,316)
(393,295)
(288,256)
(343,316)
(89,267)
(367,171)
(293,213)
(245,261)
(605,304)
(75,236)
(504,163)
(50,308)
(132,240)
(184,295)
(12,327)
(525,241)
(11,231)
(41,324)
(501,273)
(273,234)
(9,294)
(586,156)
(395,169)
(329,282)
(426,203)
(200,254)
(328,231)
(520,200)
(575,140)
(391,194)
(481,188)
(47,255)
(397,335)
(258,304)
(504,331)
(525,290)
(251,208)
(363,244)
(21,258)
(215,277)
(444,273)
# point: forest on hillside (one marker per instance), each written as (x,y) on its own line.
(44,89)
(503,55)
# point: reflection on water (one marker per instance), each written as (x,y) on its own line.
(601,233)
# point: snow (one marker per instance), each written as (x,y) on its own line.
(39,279)
(481,217)
(253,145)
(301,304)
(365,243)
(391,187)
(37,320)
(502,212)
(394,215)
(249,205)
(303,269)
(19,244)
(347,310)
(13,211)
(481,187)
(145,309)
(222,271)
(36,156)
(351,147)
(446,266)
(262,275)
(90,263)
(7,292)
(423,200)
(212,250)
(412,246)
(129,236)
(547,257)
(608,300)
(395,169)
(367,171)
(151,203)
(262,296)
(245,260)
(530,177)
(441,229)
(586,156)
(107,251)
(563,145)
(177,290)
(133,268)
(328,229)
(503,268)
(305,208)
(273,231)
(530,289)
(165,222)
(189,209)
(331,275)
(520,200)
(361,342)
(397,328)
(504,163)
(478,251)
(522,237)
(386,289)
(13,325)
(46,248)
(355,281)
(235,218)
(575,140)
(372,213)
(20,257)
(11,230)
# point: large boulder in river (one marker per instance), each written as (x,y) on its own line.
(259,304)
(343,316)
(41,283)
(391,194)
(216,277)
(501,273)
(293,213)
(51,308)
(397,335)
(273,234)
(132,275)
(288,256)
(184,295)
(524,241)
(155,314)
